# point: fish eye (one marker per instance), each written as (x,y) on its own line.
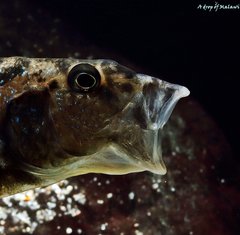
(84,78)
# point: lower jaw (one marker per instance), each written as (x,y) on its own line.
(141,153)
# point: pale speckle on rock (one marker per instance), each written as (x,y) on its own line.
(109,195)
(99,201)
(137,232)
(68,230)
(131,195)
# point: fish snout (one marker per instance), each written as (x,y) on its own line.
(155,105)
(158,100)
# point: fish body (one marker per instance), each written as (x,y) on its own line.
(66,117)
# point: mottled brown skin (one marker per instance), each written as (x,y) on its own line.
(34,107)
(51,107)
(46,124)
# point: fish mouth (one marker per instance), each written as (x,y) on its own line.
(158,100)
(133,137)
(135,143)
(140,127)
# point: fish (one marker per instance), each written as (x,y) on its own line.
(63,117)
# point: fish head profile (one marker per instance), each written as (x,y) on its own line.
(66,117)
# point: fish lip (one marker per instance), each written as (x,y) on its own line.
(159,100)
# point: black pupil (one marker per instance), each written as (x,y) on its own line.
(85,81)
(84,78)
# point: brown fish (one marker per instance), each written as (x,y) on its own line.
(65,117)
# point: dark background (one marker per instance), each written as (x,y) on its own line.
(174,40)
(168,39)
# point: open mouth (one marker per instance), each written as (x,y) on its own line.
(136,145)
(133,144)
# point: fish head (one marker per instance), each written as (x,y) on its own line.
(91,116)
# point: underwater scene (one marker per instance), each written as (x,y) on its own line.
(104,128)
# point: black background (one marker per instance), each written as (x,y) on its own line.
(183,44)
